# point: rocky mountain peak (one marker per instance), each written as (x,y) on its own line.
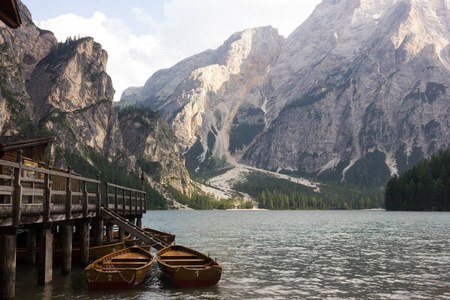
(71,77)
(201,95)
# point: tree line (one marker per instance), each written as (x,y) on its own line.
(276,193)
(200,200)
(425,187)
(109,172)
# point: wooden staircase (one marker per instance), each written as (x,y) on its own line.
(123,223)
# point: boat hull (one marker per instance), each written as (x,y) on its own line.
(187,267)
(162,236)
(121,280)
(123,269)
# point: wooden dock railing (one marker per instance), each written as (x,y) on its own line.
(124,201)
(29,195)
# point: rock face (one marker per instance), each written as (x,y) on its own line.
(357,77)
(201,96)
(21,49)
(72,95)
(149,138)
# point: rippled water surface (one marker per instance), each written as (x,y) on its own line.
(290,255)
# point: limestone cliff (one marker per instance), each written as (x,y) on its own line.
(20,50)
(149,138)
(202,95)
(72,95)
(359,76)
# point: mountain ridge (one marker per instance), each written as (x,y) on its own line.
(357,77)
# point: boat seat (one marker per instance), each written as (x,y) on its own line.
(137,259)
(181,262)
(183,259)
(178,256)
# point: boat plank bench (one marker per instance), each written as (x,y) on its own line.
(129,260)
(165,257)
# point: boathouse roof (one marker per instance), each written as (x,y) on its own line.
(10,143)
(9,13)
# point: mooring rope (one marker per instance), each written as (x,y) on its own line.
(132,277)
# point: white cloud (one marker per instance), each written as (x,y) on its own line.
(189,27)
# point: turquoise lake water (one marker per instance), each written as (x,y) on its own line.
(290,255)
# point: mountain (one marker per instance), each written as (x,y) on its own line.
(358,92)
(204,96)
(63,90)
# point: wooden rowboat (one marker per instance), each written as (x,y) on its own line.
(119,270)
(187,267)
(162,236)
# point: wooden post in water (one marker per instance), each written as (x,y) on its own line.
(31,246)
(98,231)
(45,266)
(121,234)
(109,232)
(8,243)
(84,241)
(67,238)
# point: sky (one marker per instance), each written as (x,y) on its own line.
(144,36)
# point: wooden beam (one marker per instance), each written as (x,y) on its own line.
(84,241)
(67,238)
(8,244)
(45,268)
(31,246)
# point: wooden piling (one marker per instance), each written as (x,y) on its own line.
(84,241)
(121,235)
(31,246)
(139,222)
(98,232)
(8,244)
(109,232)
(45,266)
(67,238)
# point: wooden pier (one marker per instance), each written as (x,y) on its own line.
(42,202)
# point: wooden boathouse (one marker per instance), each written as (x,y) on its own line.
(38,201)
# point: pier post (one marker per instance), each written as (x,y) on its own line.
(84,242)
(121,235)
(67,238)
(98,231)
(8,244)
(109,232)
(45,266)
(31,246)
(139,221)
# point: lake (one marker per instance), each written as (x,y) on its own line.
(290,255)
